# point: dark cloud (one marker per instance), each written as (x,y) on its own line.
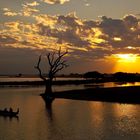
(68,36)
(131,21)
(126,29)
(68,29)
(112,27)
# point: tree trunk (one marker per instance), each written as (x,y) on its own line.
(48,96)
(48,89)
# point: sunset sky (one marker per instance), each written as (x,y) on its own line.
(99,35)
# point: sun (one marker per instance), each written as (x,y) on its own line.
(128,58)
(126,62)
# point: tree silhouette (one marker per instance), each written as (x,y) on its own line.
(56,63)
(123,76)
(93,75)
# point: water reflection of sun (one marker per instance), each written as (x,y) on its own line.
(126,62)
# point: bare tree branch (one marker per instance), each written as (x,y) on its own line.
(56,63)
(49,59)
(53,55)
(63,63)
(59,57)
(38,68)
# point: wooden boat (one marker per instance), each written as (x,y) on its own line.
(9,113)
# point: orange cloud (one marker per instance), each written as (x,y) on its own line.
(34,3)
(8,12)
(29,9)
(55,1)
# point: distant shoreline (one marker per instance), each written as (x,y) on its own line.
(59,82)
(72,81)
(41,83)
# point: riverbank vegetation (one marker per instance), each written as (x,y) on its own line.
(88,77)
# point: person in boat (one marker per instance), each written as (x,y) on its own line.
(10,110)
(5,110)
(18,110)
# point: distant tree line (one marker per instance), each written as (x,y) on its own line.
(118,76)
(122,76)
(93,75)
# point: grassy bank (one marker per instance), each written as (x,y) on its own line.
(114,94)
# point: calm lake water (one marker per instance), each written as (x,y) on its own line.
(92,85)
(33,79)
(66,119)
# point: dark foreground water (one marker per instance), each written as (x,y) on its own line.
(66,119)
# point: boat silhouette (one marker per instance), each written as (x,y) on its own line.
(9,113)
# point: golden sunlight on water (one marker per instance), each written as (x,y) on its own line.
(123,110)
(120,84)
(98,109)
(120,118)
(126,118)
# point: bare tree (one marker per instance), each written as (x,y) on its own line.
(56,63)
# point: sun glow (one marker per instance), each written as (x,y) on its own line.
(126,57)
(126,62)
